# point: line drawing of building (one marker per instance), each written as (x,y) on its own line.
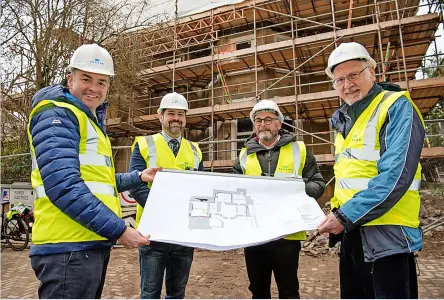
(223,210)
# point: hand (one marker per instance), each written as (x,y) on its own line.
(330,225)
(132,238)
(148,174)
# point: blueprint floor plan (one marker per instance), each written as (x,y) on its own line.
(224,209)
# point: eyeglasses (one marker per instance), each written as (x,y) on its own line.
(352,76)
(267,121)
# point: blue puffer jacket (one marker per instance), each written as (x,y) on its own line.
(56,147)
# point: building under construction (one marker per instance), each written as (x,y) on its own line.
(226,59)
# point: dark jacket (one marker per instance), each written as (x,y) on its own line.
(56,147)
(268,159)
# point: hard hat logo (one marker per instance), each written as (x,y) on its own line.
(97,61)
(92,58)
(340,54)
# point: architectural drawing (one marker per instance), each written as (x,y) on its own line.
(224,209)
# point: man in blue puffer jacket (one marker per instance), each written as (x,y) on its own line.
(77,206)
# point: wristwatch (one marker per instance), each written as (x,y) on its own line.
(140,175)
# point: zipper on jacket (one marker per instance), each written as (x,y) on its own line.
(269,163)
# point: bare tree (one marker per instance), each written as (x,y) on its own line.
(39,36)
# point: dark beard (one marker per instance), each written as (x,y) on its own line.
(173,129)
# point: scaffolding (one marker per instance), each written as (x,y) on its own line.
(226,59)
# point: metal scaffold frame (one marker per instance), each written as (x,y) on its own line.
(285,38)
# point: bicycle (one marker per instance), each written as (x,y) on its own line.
(14,230)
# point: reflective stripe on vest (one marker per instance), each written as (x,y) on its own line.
(297,171)
(357,157)
(94,187)
(362,184)
(96,170)
(196,157)
(296,155)
(368,151)
(40,191)
(156,153)
(90,158)
(152,152)
(361,154)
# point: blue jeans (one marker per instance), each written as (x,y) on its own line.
(71,275)
(157,258)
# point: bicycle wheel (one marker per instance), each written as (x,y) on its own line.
(16,234)
(3,242)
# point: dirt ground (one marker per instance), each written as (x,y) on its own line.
(433,245)
(223,274)
(434,239)
(213,275)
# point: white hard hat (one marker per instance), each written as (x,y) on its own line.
(173,101)
(92,58)
(264,106)
(345,52)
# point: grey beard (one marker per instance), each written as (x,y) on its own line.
(266,136)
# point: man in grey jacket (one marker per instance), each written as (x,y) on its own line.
(272,151)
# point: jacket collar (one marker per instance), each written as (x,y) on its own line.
(100,111)
(60,93)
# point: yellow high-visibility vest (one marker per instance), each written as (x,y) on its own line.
(357,157)
(156,153)
(291,161)
(96,170)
